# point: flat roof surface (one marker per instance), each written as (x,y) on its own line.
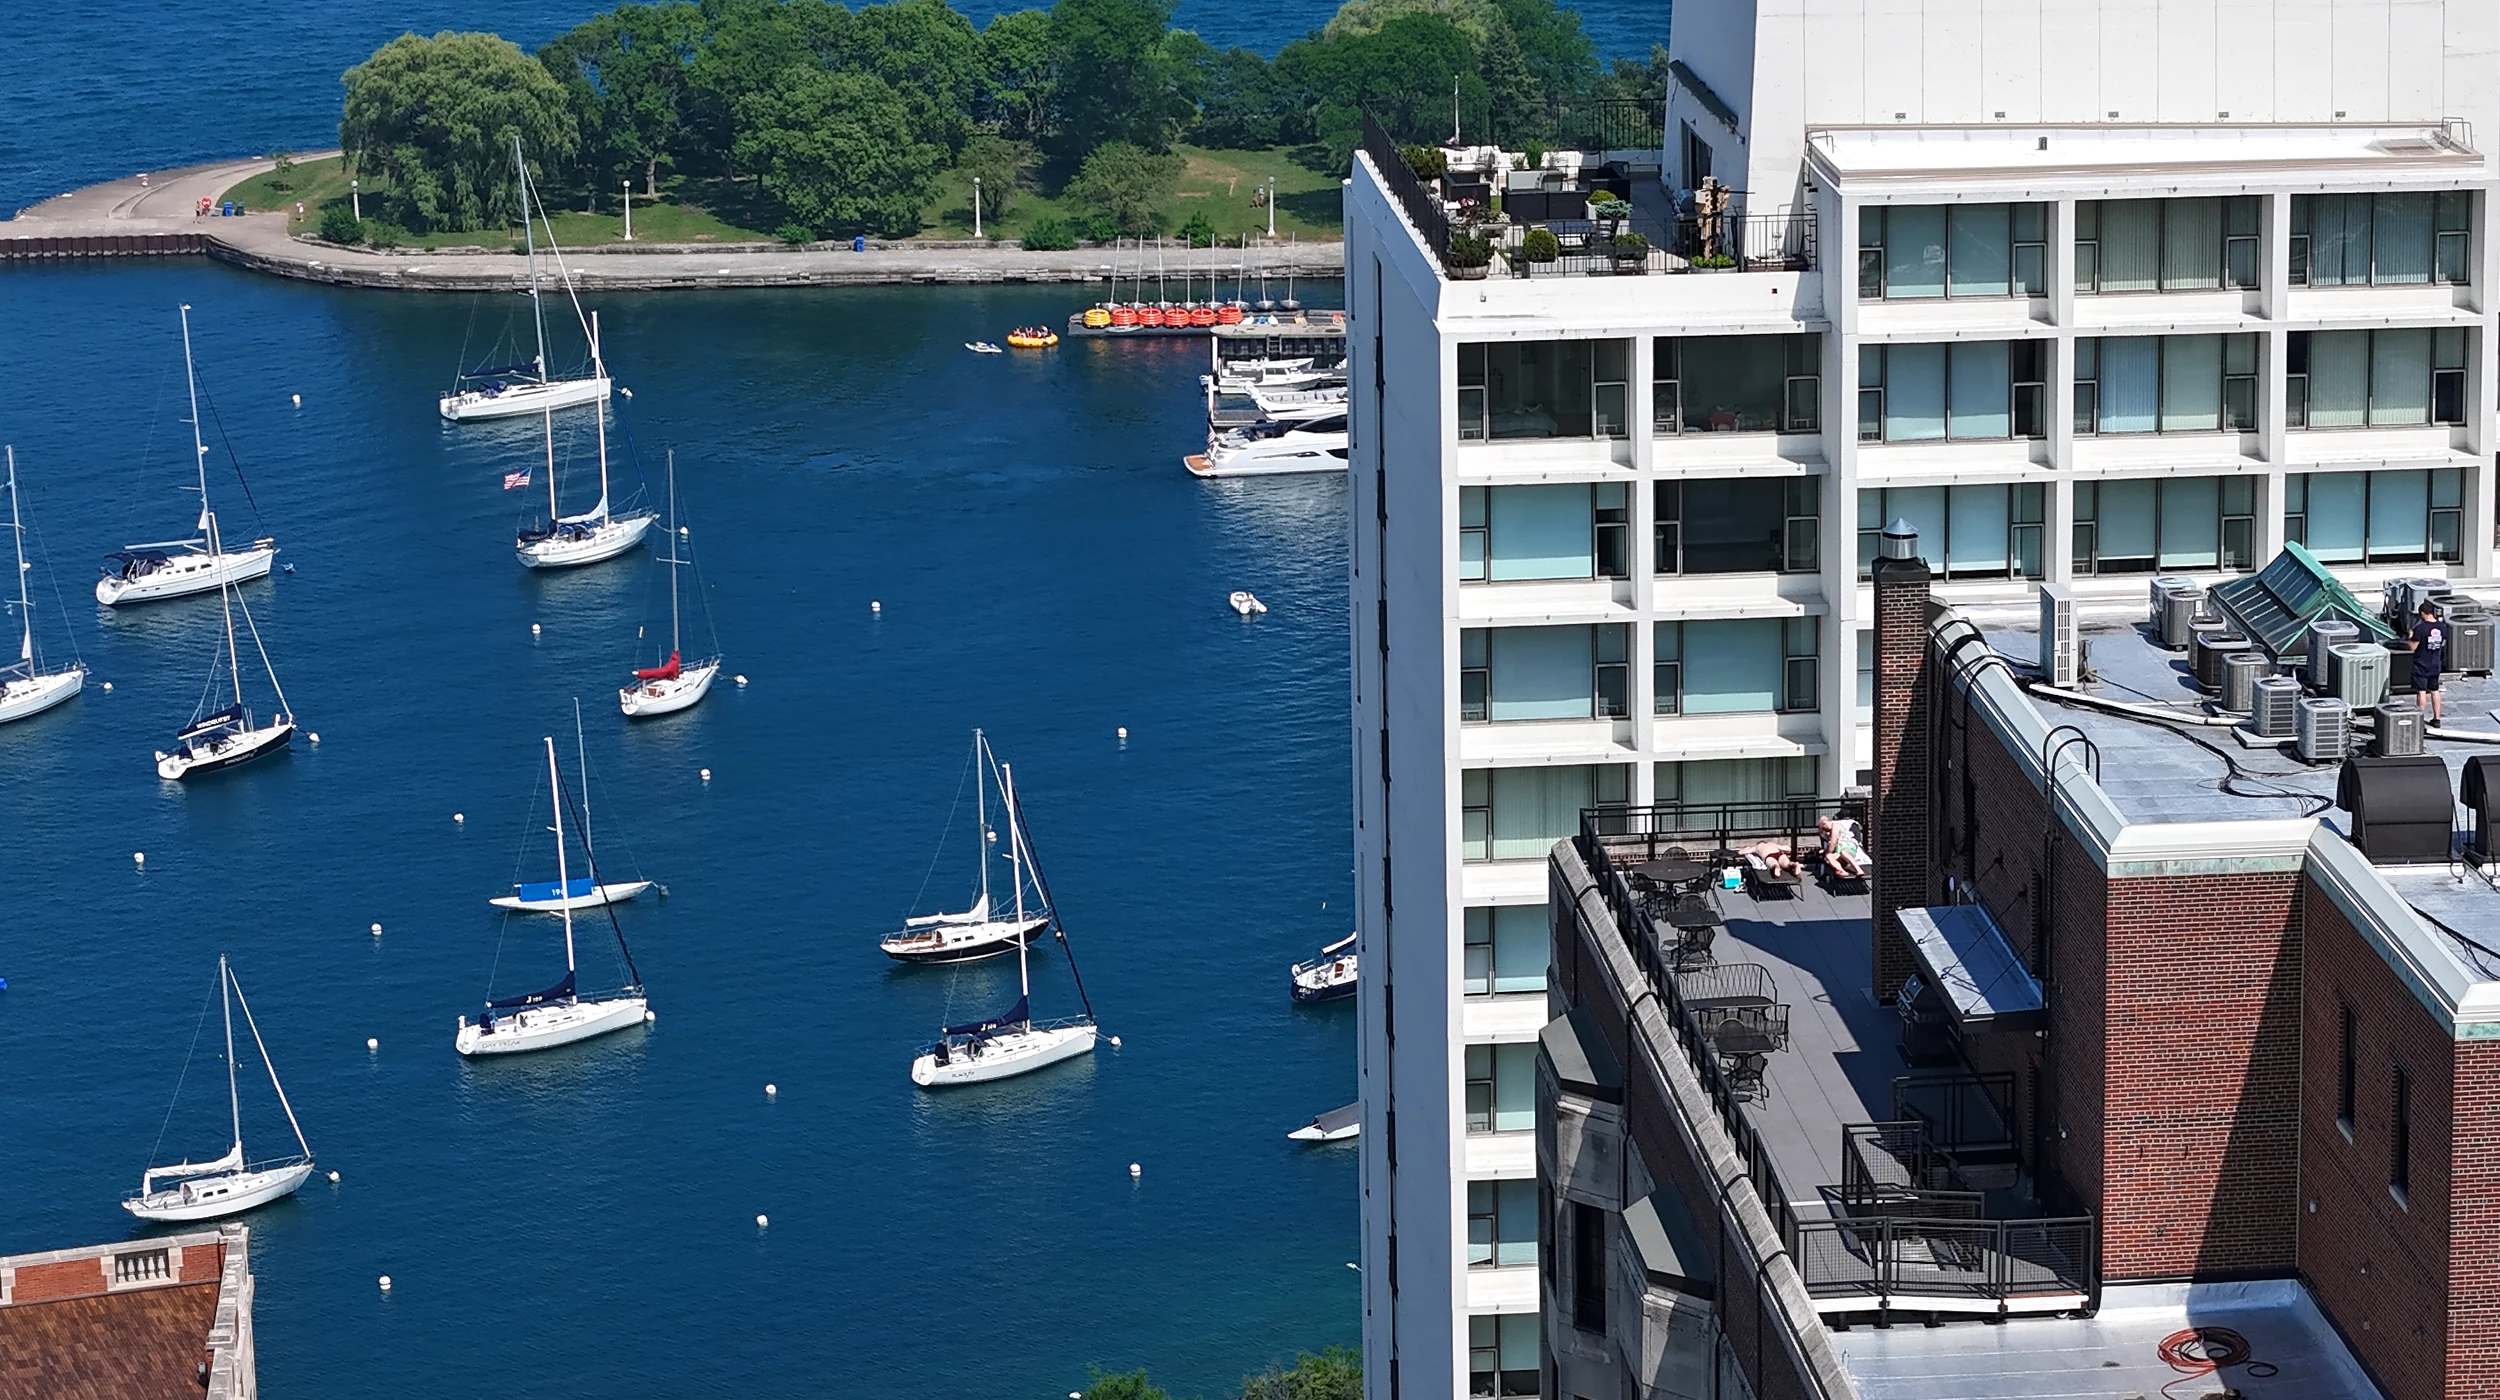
(142,1344)
(2115,1353)
(2121,147)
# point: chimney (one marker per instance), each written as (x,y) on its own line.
(1898,826)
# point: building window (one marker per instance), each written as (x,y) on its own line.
(1508,949)
(1543,389)
(2192,522)
(2346,1054)
(1696,158)
(1519,813)
(1736,666)
(1737,384)
(2375,379)
(2377,517)
(1964,532)
(2166,384)
(2351,240)
(1501,1218)
(1502,1355)
(1908,252)
(2166,245)
(1866,672)
(2400,1139)
(1738,525)
(1588,1267)
(1977,390)
(1501,1089)
(1511,534)
(1707,782)
(1527,673)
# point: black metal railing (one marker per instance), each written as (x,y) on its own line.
(1712,828)
(1889,1256)
(1960,1111)
(1747,242)
(1609,124)
(1422,206)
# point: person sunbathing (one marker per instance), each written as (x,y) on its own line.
(1843,853)
(1773,858)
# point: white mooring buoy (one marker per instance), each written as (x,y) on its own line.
(314,736)
(1135,1170)
(108,687)
(459,818)
(707,775)
(334,1178)
(377,930)
(771,1089)
(372,1043)
(386,1283)
(762,1221)
(139,858)
(875,606)
(1115,1042)
(534,629)
(1123,731)
(297,399)
(742,680)
(648,1017)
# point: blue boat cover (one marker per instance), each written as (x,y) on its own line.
(562,991)
(1016,1015)
(537,890)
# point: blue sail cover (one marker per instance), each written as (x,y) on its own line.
(562,991)
(1016,1015)
(540,890)
(529,368)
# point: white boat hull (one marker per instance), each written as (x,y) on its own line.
(227,1193)
(523,398)
(961,943)
(32,696)
(619,892)
(605,540)
(225,752)
(1004,1056)
(185,574)
(546,1027)
(644,699)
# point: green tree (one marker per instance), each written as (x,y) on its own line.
(1116,81)
(1021,74)
(1334,1374)
(837,151)
(339,224)
(1048,235)
(1560,58)
(1247,103)
(437,118)
(1400,73)
(625,72)
(1002,165)
(929,54)
(751,43)
(1125,186)
(1127,1385)
(1198,231)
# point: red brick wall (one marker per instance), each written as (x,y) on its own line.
(1897,828)
(2473,1158)
(202,1263)
(70,1278)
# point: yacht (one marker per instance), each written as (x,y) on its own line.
(143,573)
(511,390)
(674,684)
(234,735)
(570,541)
(231,1184)
(978,932)
(26,688)
(1273,449)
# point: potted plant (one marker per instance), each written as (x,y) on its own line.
(1536,246)
(1610,212)
(1469,257)
(1429,163)
(1631,254)
(1714,262)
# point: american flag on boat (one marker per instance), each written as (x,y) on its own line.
(514,481)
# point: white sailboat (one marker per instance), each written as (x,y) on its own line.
(232,1183)
(513,390)
(558,1015)
(234,735)
(976,933)
(672,685)
(568,541)
(26,688)
(142,573)
(1014,1043)
(587,892)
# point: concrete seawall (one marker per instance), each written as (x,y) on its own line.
(124,218)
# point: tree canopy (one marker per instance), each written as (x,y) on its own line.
(437,117)
(838,150)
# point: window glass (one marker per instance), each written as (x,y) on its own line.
(2190,523)
(1539,389)
(1924,508)
(1981,251)
(1982,403)
(1732,525)
(2339,379)
(1541,532)
(2401,238)
(2191,383)
(1914,242)
(2130,245)
(1735,383)
(1522,946)
(1704,782)
(1731,666)
(1476,976)
(1978,522)
(2400,503)
(2191,244)
(2400,377)
(1914,393)
(1540,673)
(2125,516)
(1514,1094)
(2130,383)
(1535,807)
(2337,507)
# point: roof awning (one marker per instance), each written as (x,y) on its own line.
(1964,956)
(1583,1063)
(1670,1250)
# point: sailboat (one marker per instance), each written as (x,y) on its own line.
(556,1016)
(26,688)
(1014,1043)
(231,736)
(585,892)
(977,932)
(567,541)
(231,1184)
(511,390)
(142,573)
(672,685)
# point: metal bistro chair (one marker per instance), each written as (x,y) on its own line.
(1745,1038)
(1696,922)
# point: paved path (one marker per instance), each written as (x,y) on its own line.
(265,243)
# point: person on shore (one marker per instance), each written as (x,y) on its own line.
(2429,645)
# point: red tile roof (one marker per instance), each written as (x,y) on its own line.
(143,1344)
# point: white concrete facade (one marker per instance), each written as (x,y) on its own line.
(1836,107)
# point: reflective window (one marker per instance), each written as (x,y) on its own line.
(1964,532)
(1909,252)
(2166,245)
(1501,1088)
(1503,1349)
(1508,949)
(2200,523)
(1974,390)
(1501,1215)
(1543,389)
(1735,666)
(1737,525)
(1529,673)
(2342,240)
(2166,384)
(2377,517)
(2402,377)
(1703,782)
(1519,533)
(1519,813)
(1737,384)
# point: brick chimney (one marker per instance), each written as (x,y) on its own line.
(1898,826)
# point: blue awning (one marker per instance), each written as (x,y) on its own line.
(1964,956)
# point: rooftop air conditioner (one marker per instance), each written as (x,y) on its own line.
(2213,647)
(2273,707)
(2472,643)
(2404,597)
(2163,584)
(2240,673)
(2061,644)
(2180,608)
(2399,730)
(2322,731)
(2325,634)
(2357,674)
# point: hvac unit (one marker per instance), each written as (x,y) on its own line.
(2357,674)
(2404,597)
(2180,607)
(2325,634)
(2240,673)
(2472,644)
(2163,584)
(2273,707)
(2402,810)
(2061,642)
(2213,647)
(2322,730)
(2479,791)
(2399,730)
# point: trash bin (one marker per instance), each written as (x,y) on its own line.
(859,243)
(229,210)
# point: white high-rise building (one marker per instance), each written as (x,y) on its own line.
(2084,291)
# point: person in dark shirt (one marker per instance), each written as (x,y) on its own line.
(2430,653)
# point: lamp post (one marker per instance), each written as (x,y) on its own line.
(356,198)
(1271,206)
(629,211)
(976,206)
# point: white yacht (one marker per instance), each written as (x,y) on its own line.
(1274,449)
(579,891)
(672,685)
(142,573)
(1014,1043)
(232,1183)
(512,390)
(1299,405)
(977,932)
(26,688)
(234,735)
(569,541)
(558,1015)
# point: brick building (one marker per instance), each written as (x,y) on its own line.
(164,1318)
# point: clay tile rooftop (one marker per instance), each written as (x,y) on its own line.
(147,1319)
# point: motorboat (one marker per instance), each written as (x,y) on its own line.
(1246,602)
(978,932)
(26,688)
(672,685)
(145,573)
(1274,449)
(232,1183)
(1298,405)
(509,391)
(984,347)
(1328,976)
(1336,1125)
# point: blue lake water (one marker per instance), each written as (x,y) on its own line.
(580,1223)
(107,87)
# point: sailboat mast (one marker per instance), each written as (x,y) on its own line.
(981,796)
(199,449)
(564,877)
(225,599)
(1015,857)
(548,414)
(253,1022)
(673,562)
(603,431)
(529,240)
(581,758)
(17,535)
(234,1101)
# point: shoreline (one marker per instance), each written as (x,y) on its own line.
(124,218)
